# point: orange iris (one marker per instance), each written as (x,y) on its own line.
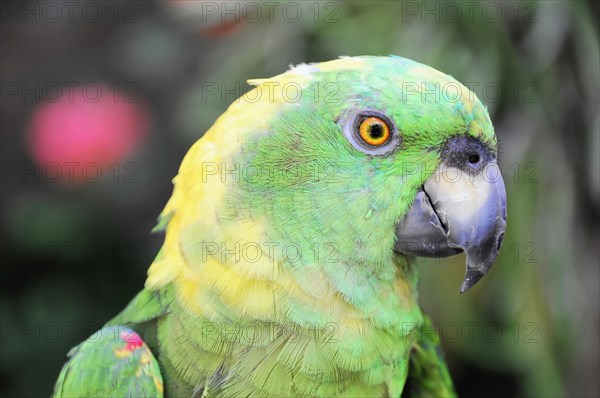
(374,131)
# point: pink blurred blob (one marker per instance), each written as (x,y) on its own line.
(84,129)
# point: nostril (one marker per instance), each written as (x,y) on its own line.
(474,158)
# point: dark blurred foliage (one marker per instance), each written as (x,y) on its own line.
(73,253)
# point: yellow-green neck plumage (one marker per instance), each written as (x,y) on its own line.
(309,346)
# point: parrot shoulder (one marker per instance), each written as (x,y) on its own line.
(114,361)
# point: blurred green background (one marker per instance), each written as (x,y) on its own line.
(75,250)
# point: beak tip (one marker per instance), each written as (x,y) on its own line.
(472,277)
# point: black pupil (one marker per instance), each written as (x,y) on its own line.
(474,158)
(376,130)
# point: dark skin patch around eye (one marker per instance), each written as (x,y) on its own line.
(467,153)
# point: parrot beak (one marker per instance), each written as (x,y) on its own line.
(457,211)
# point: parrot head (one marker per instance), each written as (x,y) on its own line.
(349,164)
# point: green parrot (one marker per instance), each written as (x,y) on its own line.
(289,265)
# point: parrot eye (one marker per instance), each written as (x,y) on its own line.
(370,132)
(374,131)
